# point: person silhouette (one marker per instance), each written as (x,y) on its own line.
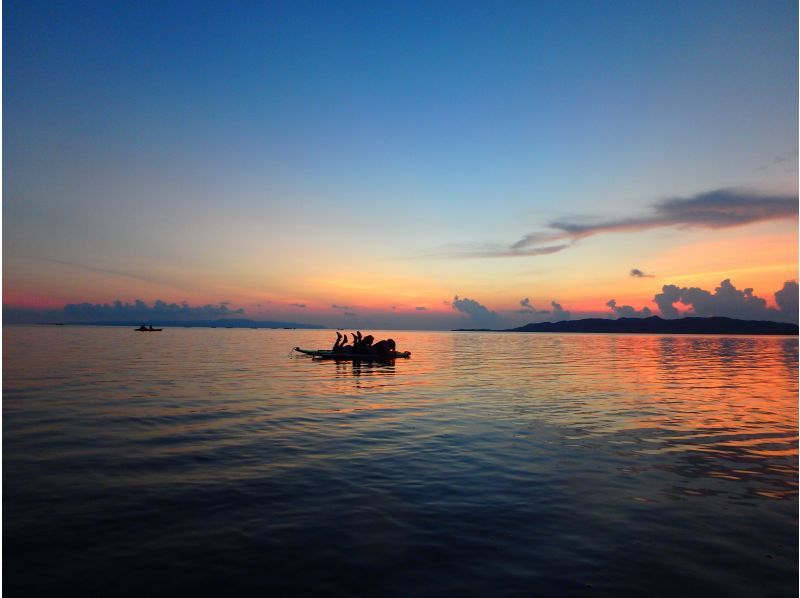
(384,348)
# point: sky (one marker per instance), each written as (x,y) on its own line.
(402,165)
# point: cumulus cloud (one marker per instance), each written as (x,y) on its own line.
(140,310)
(626,311)
(786,298)
(727,300)
(479,314)
(559,313)
(636,273)
(528,308)
(718,209)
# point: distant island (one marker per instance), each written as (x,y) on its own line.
(219,323)
(656,325)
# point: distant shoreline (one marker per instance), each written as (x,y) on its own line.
(656,325)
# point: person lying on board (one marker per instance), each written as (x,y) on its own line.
(386,347)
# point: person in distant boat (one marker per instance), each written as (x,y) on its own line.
(143,328)
(150,328)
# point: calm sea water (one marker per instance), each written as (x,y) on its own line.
(215,461)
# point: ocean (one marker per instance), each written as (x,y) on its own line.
(216,461)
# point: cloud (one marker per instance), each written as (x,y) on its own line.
(713,210)
(479,314)
(119,311)
(626,311)
(526,305)
(559,313)
(303,305)
(421,308)
(727,300)
(490,250)
(334,306)
(100,270)
(780,159)
(786,298)
(348,313)
(528,308)
(636,273)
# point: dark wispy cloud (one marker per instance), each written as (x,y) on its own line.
(636,273)
(780,159)
(491,250)
(348,313)
(727,300)
(421,308)
(98,270)
(303,305)
(334,306)
(627,311)
(718,209)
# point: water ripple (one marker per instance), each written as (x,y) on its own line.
(214,461)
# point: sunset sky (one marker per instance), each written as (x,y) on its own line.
(415,165)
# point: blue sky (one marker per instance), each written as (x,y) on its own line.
(201,143)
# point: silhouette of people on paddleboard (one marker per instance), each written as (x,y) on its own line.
(364,345)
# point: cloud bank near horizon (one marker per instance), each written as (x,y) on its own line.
(711,210)
(672,301)
(123,311)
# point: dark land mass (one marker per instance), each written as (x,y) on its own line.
(221,323)
(657,325)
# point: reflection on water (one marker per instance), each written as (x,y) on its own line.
(217,461)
